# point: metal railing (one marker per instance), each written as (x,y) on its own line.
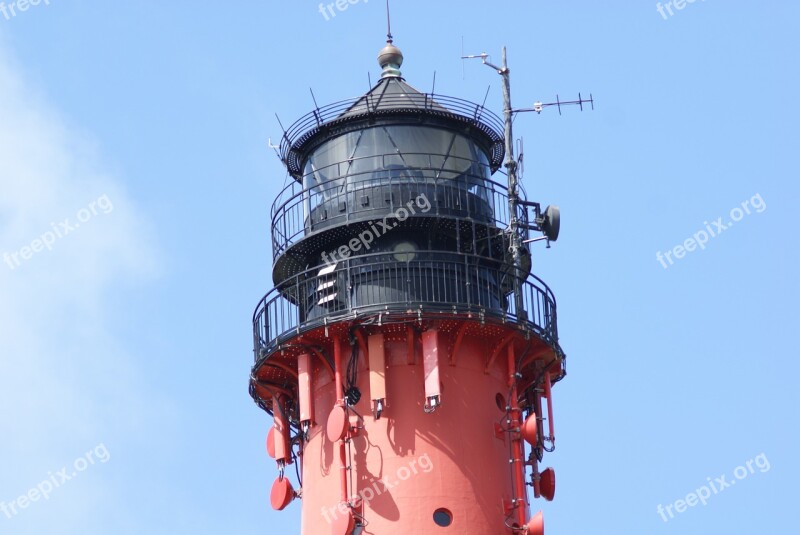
(432,283)
(417,103)
(296,212)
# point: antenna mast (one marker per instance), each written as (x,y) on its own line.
(513,183)
(548,222)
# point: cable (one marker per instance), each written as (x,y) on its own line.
(350,470)
(352,394)
(297,468)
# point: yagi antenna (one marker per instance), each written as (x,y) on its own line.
(538,107)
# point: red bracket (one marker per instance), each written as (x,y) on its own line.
(499,432)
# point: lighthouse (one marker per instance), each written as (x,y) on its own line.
(407,353)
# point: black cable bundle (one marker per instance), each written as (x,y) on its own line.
(352,394)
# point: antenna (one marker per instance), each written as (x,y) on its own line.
(538,107)
(316,108)
(547,222)
(486,96)
(285,133)
(485,57)
(389,38)
(284,137)
(515,231)
(275,148)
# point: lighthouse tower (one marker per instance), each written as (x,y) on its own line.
(406,353)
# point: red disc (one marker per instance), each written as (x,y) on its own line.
(337,424)
(530,430)
(547,484)
(271,442)
(343,525)
(282,494)
(536,524)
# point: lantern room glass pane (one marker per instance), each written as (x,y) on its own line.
(400,151)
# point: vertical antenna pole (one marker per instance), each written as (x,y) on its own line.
(513,188)
(389,38)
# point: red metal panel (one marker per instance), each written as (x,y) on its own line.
(377,367)
(283,451)
(430,356)
(410,339)
(548,392)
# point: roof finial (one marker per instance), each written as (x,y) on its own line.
(390,58)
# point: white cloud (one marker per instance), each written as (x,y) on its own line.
(66,381)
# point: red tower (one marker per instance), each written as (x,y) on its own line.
(406,353)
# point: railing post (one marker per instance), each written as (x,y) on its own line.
(348,285)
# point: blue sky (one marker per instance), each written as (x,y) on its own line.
(129,336)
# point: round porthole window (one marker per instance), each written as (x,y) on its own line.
(501,402)
(442,517)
